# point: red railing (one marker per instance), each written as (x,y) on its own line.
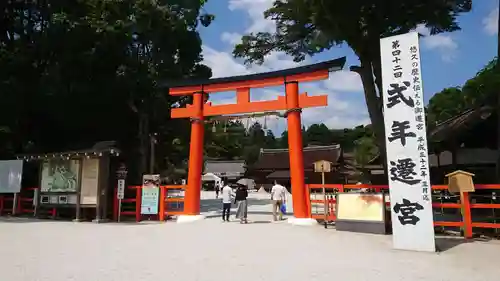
(23,204)
(164,200)
(466,223)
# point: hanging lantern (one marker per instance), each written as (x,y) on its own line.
(214,129)
(265,123)
(225,127)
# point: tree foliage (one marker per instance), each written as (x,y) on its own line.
(76,72)
(481,89)
(308,27)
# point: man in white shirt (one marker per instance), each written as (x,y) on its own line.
(227,199)
(278,197)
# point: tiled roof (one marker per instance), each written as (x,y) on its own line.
(278,159)
(224,167)
(451,127)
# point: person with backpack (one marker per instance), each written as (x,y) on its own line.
(242,203)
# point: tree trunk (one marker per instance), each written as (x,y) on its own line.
(143,143)
(373,103)
(497,67)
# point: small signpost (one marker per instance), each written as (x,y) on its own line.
(462,182)
(323,167)
(121,174)
(150,194)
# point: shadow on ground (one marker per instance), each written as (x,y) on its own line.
(446,243)
(20,220)
(210,205)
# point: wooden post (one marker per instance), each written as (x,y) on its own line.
(466,214)
(161,215)
(325,201)
(14,204)
(115,204)
(79,191)
(138,198)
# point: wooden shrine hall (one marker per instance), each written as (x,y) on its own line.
(273,165)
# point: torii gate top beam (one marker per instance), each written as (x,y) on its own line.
(242,84)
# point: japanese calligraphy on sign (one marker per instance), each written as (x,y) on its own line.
(406,141)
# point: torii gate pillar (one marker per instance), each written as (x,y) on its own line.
(195,166)
(295,152)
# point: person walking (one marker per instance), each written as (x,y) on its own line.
(217,188)
(242,203)
(227,198)
(278,197)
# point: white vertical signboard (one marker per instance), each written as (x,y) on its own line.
(406,141)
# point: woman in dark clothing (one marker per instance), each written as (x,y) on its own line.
(241,201)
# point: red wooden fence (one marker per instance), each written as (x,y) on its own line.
(466,223)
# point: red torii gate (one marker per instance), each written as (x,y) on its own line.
(292,102)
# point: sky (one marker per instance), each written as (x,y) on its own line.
(447,59)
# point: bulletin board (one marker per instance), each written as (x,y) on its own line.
(361,212)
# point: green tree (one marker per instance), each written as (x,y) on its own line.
(319,134)
(308,27)
(283,140)
(86,71)
(445,104)
(365,150)
(270,140)
(479,90)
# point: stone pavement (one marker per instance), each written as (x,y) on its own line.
(215,251)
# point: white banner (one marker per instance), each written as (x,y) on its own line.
(406,140)
(11,175)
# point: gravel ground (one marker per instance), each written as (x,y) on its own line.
(212,250)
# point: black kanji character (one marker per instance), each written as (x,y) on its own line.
(419,118)
(413,49)
(398,74)
(425,197)
(414,57)
(420,139)
(414,71)
(403,171)
(416,80)
(399,132)
(414,64)
(423,173)
(416,87)
(423,161)
(397,67)
(395,44)
(425,190)
(424,183)
(396,59)
(418,110)
(420,126)
(406,210)
(422,154)
(396,52)
(396,95)
(418,103)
